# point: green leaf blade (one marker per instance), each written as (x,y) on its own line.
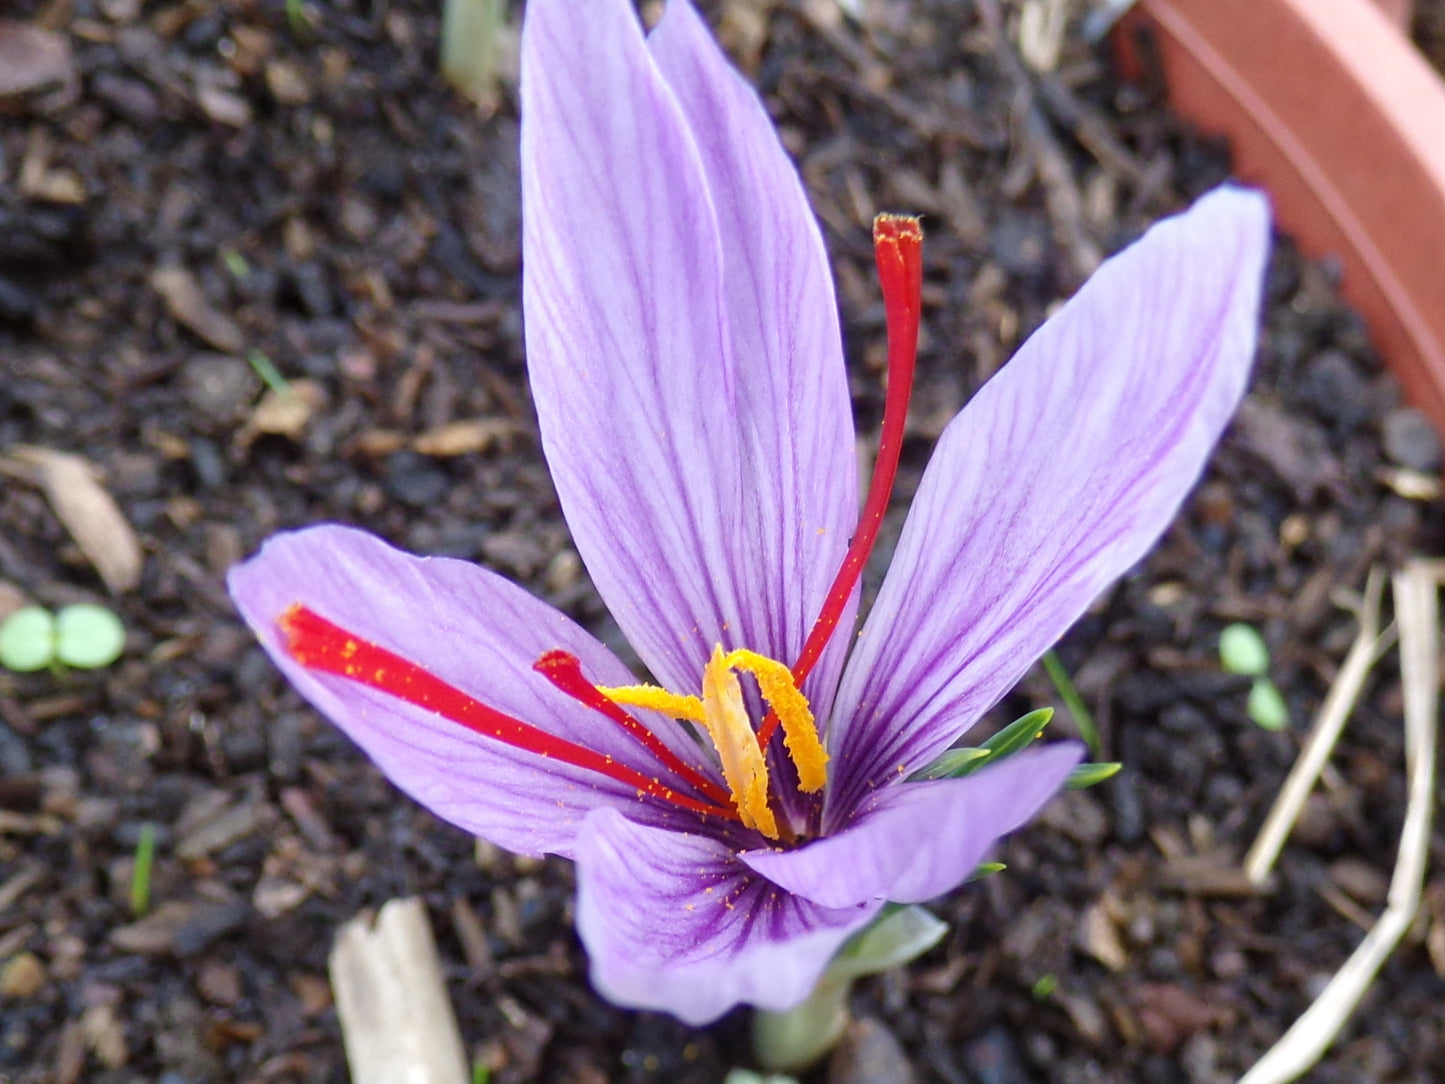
(1018,734)
(1087,775)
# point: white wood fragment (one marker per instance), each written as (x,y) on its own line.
(396,1018)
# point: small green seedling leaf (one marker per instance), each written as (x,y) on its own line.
(88,636)
(1045,986)
(297,16)
(470,47)
(896,937)
(235,264)
(481,1072)
(1086,775)
(956,763)
(27,639)
(987,869)
(1242,650)
(1266,706)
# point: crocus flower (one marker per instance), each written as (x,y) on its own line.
(735,820)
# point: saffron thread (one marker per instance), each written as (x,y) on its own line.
(564,670)
(898,253)
(318,644)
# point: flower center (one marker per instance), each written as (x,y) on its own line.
(722,712)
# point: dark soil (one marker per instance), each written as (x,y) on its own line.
(339,211)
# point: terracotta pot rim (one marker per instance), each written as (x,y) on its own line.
(1332,109)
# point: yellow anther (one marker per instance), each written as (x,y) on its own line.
(722,712)
(800,733)
(726,718)
(656,699)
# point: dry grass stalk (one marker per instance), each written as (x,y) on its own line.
(1338,703)
(1417,613)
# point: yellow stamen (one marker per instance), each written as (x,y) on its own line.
(800,733)
(655,699)
(722,713)
(727,722)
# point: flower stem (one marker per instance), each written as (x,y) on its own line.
(800,1036)
(793,1040)
(469,47)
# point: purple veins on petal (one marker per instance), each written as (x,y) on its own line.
(676,922)
(1052,482)
(680,314)
(480,634)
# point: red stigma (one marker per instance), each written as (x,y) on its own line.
(565,672)
(898,252)
(317,644)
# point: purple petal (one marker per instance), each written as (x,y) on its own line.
(1055,478)
(949,826)
(781,318)
(674,922)
(707,506)
(481,634)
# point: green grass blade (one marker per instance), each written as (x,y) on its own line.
(1064,686)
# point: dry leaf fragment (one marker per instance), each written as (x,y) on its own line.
(378,443)
(1210,874)
(39,180)
(223,107)
(187,303)
(105,1036)
(120,11)
(32,58)
(1435,946)
(1042,24)
(22,977)
(1413,485)
(11,599)
(87,511)
(70,1054)
(465,437)
(58,186)
(287,84)
(284,413)
(1098,936)
(1171,1013)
